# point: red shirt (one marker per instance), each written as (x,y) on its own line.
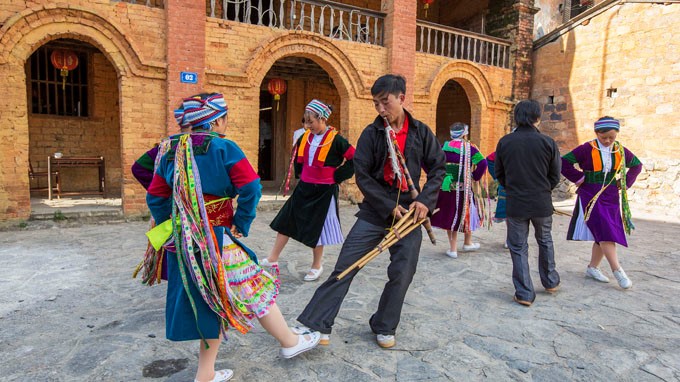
(401,141)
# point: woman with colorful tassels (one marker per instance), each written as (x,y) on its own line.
(323,159)
(459,211)
(606,168)
(214,281)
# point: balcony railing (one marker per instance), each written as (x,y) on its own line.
(327,18)
(148,3)
(459,44)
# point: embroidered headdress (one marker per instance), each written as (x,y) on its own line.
(607,123)
(459,130)
(319,108)
(199,111)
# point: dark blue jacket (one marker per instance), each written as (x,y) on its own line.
(528,165)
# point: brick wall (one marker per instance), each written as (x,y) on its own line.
(487,88)
(367,4)
(400,37)
(502,19)
(253,49)
(130,40)
(514,20)
(522,48)
(185,52)
(134,39)
(467,14)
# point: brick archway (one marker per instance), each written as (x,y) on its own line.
(22,35)
(35,27)
(324,53)
(479,95)
(345,77)
(328,56)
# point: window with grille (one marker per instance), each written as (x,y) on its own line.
(49,94)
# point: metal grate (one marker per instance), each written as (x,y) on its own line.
(48,94)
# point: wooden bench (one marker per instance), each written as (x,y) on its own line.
(77,161)
(37,175)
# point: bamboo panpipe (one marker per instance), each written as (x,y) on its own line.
(389,243)
(403,227)
(395,229)
(411,187)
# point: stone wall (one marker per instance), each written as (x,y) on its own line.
(623,63)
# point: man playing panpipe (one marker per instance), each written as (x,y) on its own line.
(379,176)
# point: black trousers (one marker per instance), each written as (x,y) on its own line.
(518,232)
(320,312)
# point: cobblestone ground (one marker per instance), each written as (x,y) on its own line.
(70,311)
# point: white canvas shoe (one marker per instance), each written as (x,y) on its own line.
(471,247)
(221,376)
(451,254)
(596,274)
(622,278)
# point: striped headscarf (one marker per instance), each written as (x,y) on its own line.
(607,123)
(319,108)
(459,130)
(199,111)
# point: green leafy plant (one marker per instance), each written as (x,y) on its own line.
(59,216)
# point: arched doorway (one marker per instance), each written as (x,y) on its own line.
(74,116)
(453,105)
(305,80)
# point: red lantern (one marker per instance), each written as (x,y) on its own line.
(427,5)
(64,60)
(276,87)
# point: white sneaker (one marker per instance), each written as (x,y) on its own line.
(505,245)
(596,274)
(622,278)
(471,247)
(301,329)
(221,376)
(451,254)
(386,341)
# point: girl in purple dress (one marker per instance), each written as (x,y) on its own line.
(458,211)
(606,167)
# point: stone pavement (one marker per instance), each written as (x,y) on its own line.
(69,311)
